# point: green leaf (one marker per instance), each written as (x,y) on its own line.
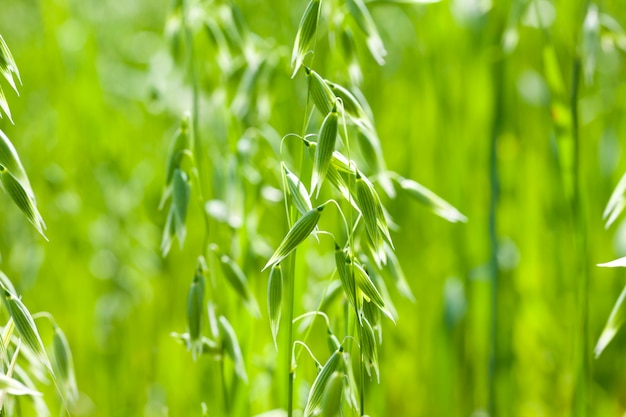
(364,20)
(438,205)
(615,321)
(616,203)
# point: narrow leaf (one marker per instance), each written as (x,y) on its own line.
(364,20)
(616,203)
(439,206)
(616,263)
(615,321)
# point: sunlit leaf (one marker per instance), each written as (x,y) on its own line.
(615,321)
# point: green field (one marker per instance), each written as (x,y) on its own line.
(156,134)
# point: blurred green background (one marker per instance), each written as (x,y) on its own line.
(102,97)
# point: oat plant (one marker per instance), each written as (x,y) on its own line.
(25,363)
(326,274)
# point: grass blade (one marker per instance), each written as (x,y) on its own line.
(439,206)
(364,20)
(613,324)
(616,203)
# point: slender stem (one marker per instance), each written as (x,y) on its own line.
(362,385)
(195,129)
(290,307)
(582,395)
(494,184)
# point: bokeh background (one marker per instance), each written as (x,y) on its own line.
(102,97)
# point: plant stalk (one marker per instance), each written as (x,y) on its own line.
(494,197)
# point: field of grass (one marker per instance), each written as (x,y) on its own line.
(511,111)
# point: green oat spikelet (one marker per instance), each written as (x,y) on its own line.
(16,184)
(26,327)
(238,281)
(367,288)
(305,35)
(297,191)
(274,300)
(195,309)
(343,264)
(231,344)
(8,69)
(331,400)
(369,347)
(320,93)
(24,201)
(178,148)
(64,364)
(301,229)
(316,394)
(373,216)
(325,149)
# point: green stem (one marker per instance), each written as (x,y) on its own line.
(582,394)
(290,281)
(494,184)
(195,111)
(362,386)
